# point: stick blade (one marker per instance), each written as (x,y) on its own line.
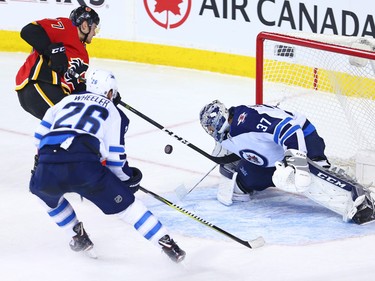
(91,253)
(181,192)
(257,242)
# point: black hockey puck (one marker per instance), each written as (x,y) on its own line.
(168,149)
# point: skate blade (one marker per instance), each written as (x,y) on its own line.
(91,253)
(368,222)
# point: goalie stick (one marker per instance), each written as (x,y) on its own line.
(252,244)
(219,160)
(181,190)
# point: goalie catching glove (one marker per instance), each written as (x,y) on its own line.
(293,174)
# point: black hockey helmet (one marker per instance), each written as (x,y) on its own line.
(84,13)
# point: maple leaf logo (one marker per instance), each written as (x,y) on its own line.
(168,5)
(176,11)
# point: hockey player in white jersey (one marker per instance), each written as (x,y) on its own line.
(81,149)
(281,149)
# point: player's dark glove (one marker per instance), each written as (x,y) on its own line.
(134,181)
(117,99)
(58,58)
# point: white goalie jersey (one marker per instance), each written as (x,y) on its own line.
(261,133)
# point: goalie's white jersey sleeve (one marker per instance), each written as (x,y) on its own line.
(261,133)
(87,113)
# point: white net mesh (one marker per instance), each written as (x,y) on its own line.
(335,91)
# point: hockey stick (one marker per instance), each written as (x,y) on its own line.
(182,192)
(252,244)
(219,160)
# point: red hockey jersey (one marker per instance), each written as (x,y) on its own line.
(36,65)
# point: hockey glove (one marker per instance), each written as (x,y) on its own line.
(298,161)
(116,100)
(134,181)
(58,58)
(283,178)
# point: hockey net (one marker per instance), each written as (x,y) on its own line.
(330,79)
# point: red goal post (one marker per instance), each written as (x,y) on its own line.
(330,79)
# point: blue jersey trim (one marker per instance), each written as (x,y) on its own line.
(308,130)
(46,124)
(115,163)
(279,128)
(54,139)
(118,149)
(38,136)
(289,133)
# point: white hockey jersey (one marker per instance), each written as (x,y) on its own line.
(87,113)
(261,133)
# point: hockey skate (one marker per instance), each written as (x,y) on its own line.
(81,241)
(366,211)
(364,215)
(171,249)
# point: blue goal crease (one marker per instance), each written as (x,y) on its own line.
(281,218)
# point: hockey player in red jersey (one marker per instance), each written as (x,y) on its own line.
(58,55)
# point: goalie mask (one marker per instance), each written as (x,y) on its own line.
(101,82)
(214,119)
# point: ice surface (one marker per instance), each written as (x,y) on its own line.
(303,240)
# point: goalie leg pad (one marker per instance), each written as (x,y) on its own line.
(332,197)
(229,192)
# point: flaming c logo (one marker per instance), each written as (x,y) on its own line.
(168,13)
